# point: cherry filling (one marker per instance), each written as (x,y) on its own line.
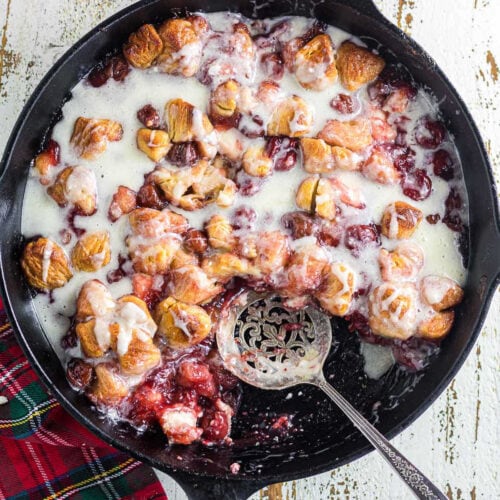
(149,117)
(429,133)
(248,185)
(284,151)
(244,218)
(330,234)
(197,376)
(433,218)
(215,424)
(148,289)
(317,28)
(80,373)
(226,122)
(403,157)
(118,273)
(392,80)
(70,339)
(271,39)
(184,154)
(195,241)
(415,182)
(54,151)
(72,214)
(345,104)
(253,128)
(358,237)
(191,395)
(149,196)
(273,65)
(116,67)
(401,135)
(443,164)
(300,224)
(417,185)
(453,206)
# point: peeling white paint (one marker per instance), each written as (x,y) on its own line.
(456,442)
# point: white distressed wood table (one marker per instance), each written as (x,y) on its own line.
(456,442)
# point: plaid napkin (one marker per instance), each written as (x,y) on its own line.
(45,453)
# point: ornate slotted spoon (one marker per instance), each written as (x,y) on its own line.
(270,347)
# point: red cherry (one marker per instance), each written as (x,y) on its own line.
(453,205)
(433,218)
(283,150)
(417,185)
(300,224)
(429,133)
(404,159)
(215,425)
(116,68)
(358,237)
(244,218)
(344,104)
(183,154)
(54,151)
(247,184)
(329,234)
(393,78)
(273,66)
(443,164)
(197,376)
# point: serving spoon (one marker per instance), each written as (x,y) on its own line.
(270,347)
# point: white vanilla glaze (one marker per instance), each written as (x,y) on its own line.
(47,254)
(131,319)
(123,164)
(378,359)
(435,288)
(81,182)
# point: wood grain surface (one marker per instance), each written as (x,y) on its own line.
(456,442)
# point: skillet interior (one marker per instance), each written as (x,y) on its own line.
(323,439)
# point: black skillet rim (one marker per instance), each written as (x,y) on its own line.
(264,479)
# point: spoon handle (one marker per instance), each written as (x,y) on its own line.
(418,483)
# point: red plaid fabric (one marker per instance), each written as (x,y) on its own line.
(47,454)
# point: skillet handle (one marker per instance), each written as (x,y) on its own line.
(366,7)
(208,488)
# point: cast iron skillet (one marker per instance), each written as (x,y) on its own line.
(322,438)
